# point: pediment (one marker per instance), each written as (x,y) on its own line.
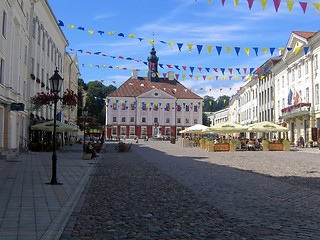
(294,42)
(156,94)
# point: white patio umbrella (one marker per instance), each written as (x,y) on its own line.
(266,127)
(196,129)
(226,127)
(48,126)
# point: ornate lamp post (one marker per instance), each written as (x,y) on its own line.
(56,82)
(85,114)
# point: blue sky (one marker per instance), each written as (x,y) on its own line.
(187,22)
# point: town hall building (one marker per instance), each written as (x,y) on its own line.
(151,106)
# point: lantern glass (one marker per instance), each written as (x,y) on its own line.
(56,81)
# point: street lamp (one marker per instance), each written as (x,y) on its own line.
(84,114)
(56,82)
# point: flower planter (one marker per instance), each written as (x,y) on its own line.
(265,145)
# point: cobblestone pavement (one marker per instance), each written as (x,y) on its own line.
(163,191)
(131,199)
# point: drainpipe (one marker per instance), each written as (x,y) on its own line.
(312,112)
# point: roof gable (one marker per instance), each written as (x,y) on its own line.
(156,94)
(137,87)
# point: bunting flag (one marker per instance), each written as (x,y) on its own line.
(247,50)
(190,47)
(237,49)
(199,47)
(236,2)
(228,50)
(303,6)
(209,48)
(276,4)
(316,5)
(290,5)
(250,2)
(263,4)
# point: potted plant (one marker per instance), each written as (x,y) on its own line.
(233,145)
(265,144)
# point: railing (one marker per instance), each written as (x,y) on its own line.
(296,110)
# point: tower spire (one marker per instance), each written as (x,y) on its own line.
(153,66)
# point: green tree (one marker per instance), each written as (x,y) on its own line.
(205,120)
(212,105)
(95,104)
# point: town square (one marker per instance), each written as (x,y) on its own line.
(185,119)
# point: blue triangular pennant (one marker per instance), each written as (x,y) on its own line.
(192,69)
(237,49)
(180,46)
(256,50)
(222,70)
(272,50)
(219,49)
(199,47)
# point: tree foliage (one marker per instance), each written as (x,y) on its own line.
(95,104)
(211,105)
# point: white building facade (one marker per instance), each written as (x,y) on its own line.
(297,83)
(32,46)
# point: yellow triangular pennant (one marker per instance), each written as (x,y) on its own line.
(316,5)
(236,3)
(209,1)
(197,76)
(250,77)
(224,77)
(282,49)
(103,66)
(265,50)
(247,50)
(183,77)
(262,77)
(70,26)
(171,75)
(151,41)
(91,32)
(190,47)
(296,50)
(111,33)
(228,49)
(210,77)
(131,36)
(90,65)
(237,77)
(263,4)
(158,74)
(117,67)
(290,5)
(209,48)
(171,43)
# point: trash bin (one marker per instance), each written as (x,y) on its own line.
(173,140)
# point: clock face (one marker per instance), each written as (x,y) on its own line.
(153,74)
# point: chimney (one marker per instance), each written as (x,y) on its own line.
(171,75)
(134,74)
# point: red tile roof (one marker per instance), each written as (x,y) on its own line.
(306,35)
(136,87)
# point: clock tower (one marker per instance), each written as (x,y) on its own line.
(153,66)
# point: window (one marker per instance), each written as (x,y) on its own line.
(293,74)
(123,130)
(144,131)
(132,106)
(34,28)
(155,108)
(187,108)
(114,130)
(178,108)
(195,121)
(48,47)
(27,21)
(317,94)
(282,81)
(316,61)
(32,66)
(167,120)
(178,120)
(124,106)
(132,130)
(43,40)
(114,119)
(114,107)
(306,69)
(39,34)
(195,109)
(123,119)
(144,106)
(307,95)
(4,24)
(131,119)
(1,71)
(187,120)
(155,120)
(25,55)
(167,108)
(143,120)
(288,78)
(299,70)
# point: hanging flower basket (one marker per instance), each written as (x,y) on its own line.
(38,80)
(42,99)
(43,85)
(33,77)
(69,99)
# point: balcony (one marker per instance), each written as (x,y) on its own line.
(296,111)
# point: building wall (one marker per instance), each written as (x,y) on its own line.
(151,121)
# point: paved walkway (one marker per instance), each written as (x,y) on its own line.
(31,209)
(264,195)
